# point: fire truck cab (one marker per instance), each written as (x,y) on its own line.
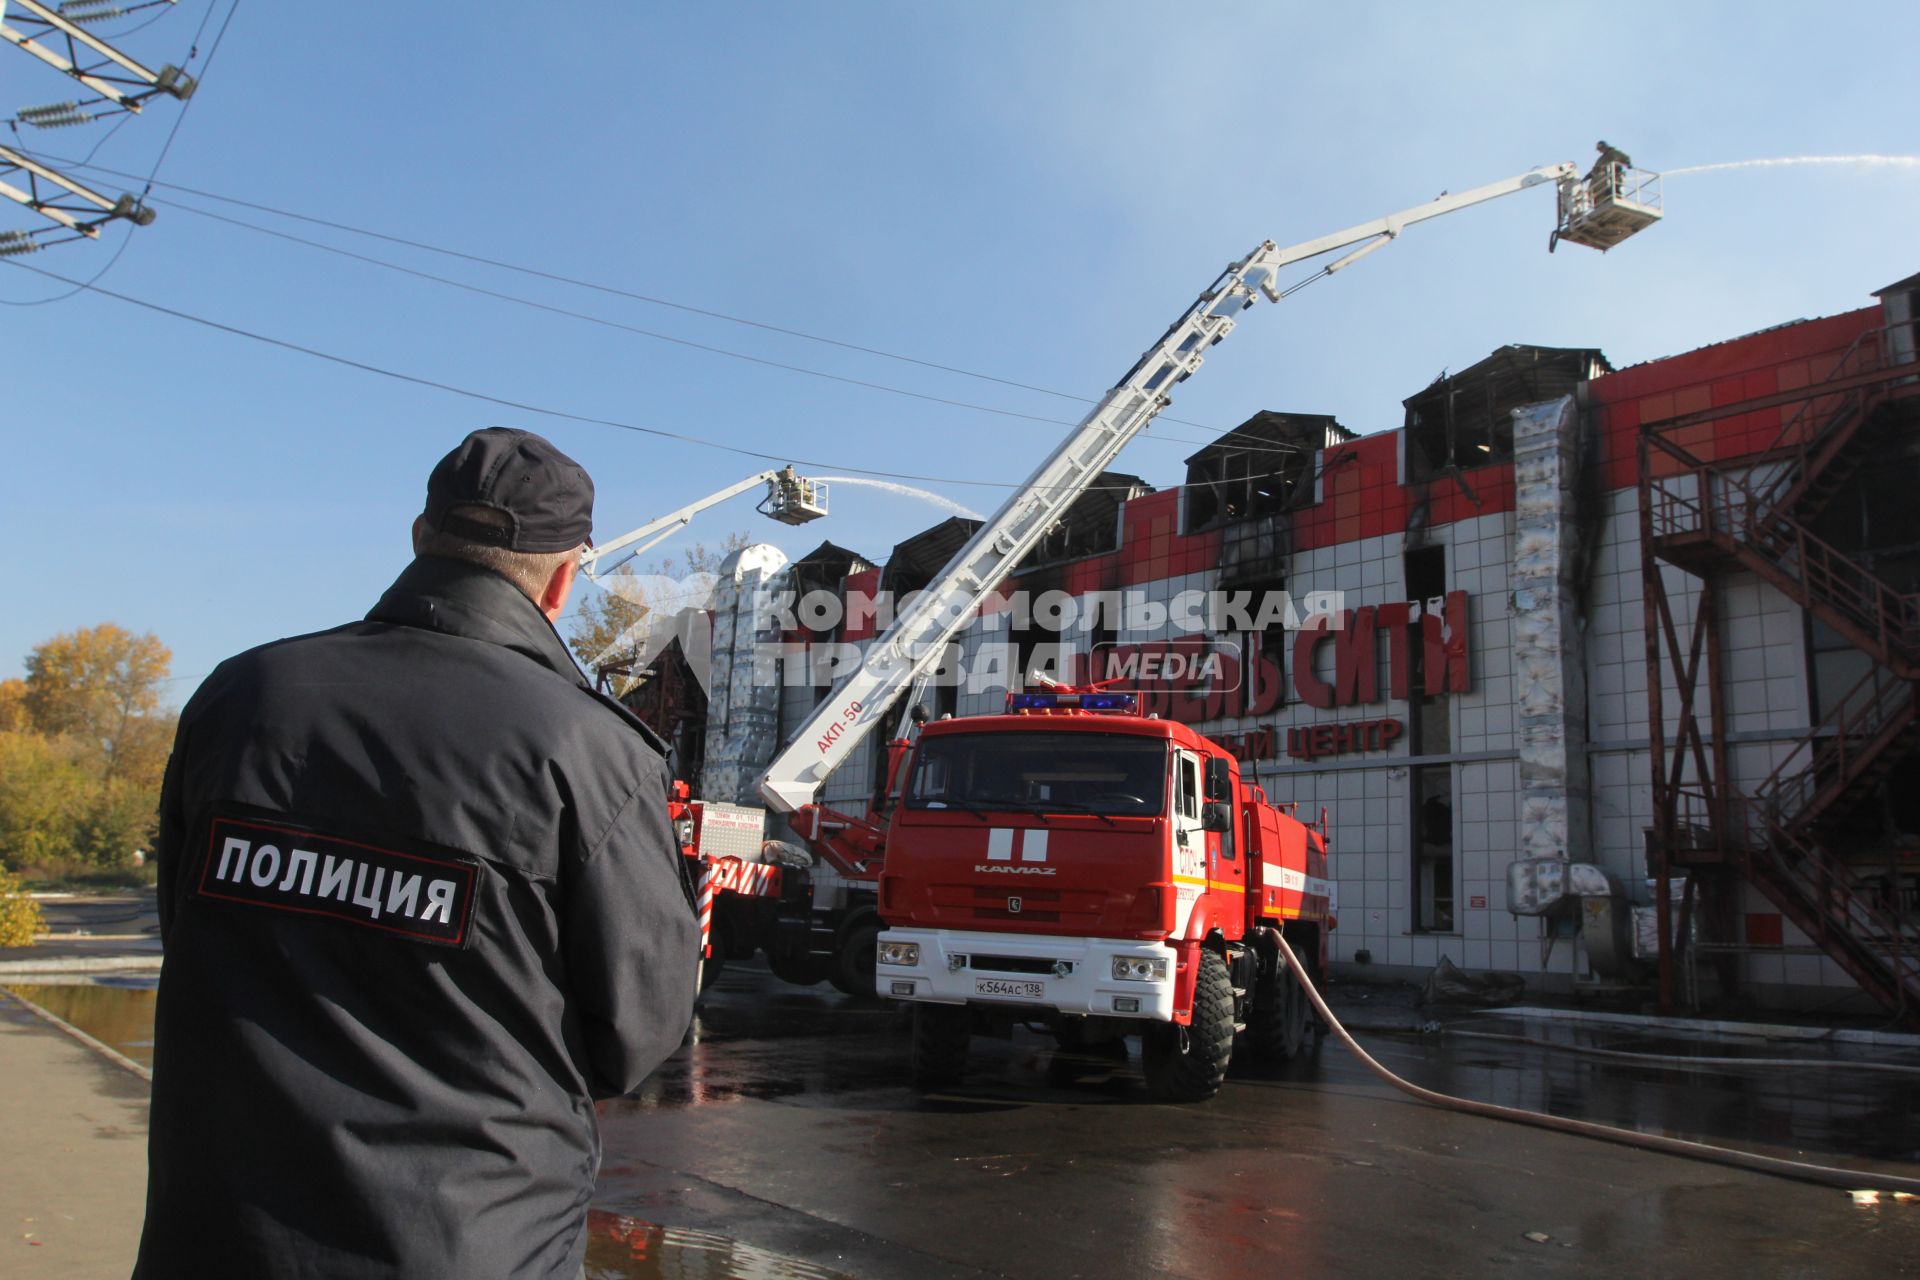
(1077,864)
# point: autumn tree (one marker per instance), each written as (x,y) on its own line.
(43,794)
(100,686)
(13,705)
(19,914)
(603,627)
(83,744)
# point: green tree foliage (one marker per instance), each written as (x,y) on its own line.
(13,705)
(602,625)
(19,914)
(43,795)
(101,687)
(83,745)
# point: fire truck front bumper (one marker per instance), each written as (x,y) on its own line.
(1101,977)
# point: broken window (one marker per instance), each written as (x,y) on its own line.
(1432,731)
(1091,523)
(1263,467)
(1466,420)
(1433,849)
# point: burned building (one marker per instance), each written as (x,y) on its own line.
(1661,623)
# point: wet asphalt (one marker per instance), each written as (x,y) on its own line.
(786,1123)
(782,1142)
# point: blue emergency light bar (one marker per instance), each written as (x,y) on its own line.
(1084,701)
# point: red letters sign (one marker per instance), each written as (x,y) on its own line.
(1317,740)
(1356,661)
(1255,744)
(1194,680)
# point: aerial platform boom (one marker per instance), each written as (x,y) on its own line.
(790,499)
(914,643)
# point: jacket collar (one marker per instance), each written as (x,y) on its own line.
(461,599)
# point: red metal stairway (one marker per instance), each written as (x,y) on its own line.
(1752,512)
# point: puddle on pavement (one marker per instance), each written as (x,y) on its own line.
(623,1248)
(119,1014)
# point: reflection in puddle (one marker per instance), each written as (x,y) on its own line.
(119,1016)
(623,1248)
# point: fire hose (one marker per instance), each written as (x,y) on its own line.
(1823,1175)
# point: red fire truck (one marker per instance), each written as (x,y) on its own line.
(1075,863)
(739,887)
(831,922)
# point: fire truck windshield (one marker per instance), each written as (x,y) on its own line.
(1098,773)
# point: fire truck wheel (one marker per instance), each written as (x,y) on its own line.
(1277,1023)
(1187,1064)
(853,964)
(797,967)
(940,1036)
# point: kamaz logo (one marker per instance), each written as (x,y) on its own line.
(1013,906)
(1005,870)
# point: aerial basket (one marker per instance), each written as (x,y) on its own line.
(1611,203)
(794,499)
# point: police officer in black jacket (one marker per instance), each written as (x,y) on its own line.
(421,905)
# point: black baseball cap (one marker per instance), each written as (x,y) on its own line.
(546,496)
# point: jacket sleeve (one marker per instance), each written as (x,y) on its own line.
(632,944)
(170,845)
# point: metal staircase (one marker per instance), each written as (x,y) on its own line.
(1877,945)
(1710,517)
(1844,759)
(1832,434)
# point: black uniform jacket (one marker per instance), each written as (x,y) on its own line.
(421,901)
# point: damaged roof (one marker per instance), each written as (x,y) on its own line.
(916,560)
(828,558)
(1271,429)
(1548,372)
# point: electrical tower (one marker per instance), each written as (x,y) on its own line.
(114,84)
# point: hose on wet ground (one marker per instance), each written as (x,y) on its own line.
(1681,1060)
(1800,1171)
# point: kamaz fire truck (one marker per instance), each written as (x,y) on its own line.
(1167,885)
(1076,863)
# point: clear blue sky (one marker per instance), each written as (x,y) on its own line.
(1024,190)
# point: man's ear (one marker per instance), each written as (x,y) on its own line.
(420,531)
(553,597)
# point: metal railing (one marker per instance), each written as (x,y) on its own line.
(1609,184)
(1724,506)
(1767,836)
(1825,889)
(1870,351)
(1837,749)
(1820,886)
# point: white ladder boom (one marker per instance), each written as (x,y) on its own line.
(914,643)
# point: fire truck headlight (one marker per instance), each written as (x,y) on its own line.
(901,953)
(1139,969)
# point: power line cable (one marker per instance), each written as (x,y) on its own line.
(1245,446)
(615,324)
(628,294)
(166,11)
(516,299)
(125,240)
(678,306)
(503,402)
(193,51)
